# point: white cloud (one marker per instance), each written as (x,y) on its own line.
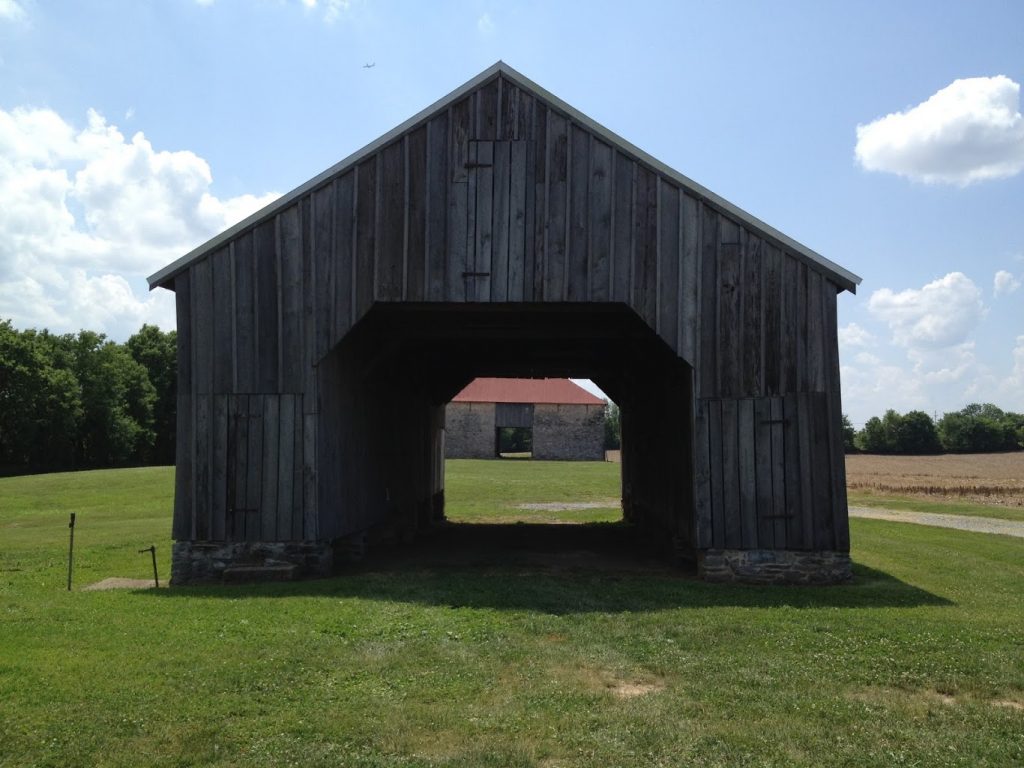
(853,335)
(941,314)
(485,24)
(86,213)
(1004,283)
(969,131)
(11,10)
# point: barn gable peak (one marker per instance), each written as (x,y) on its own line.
(841,276)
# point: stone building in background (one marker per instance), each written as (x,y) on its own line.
(556,417)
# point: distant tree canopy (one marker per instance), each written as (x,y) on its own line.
(79,400)
(612,427)
(978,428)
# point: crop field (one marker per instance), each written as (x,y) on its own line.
(990,484)
(415,658)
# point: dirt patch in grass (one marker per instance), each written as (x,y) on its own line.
(984,478)
(1009,704)
(600,680)
(115,582)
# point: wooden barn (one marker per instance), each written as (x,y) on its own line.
(502,233)
(559,419)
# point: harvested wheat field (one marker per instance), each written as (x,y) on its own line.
(984,478)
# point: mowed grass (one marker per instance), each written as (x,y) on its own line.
(919,662)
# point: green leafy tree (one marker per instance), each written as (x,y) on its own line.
(916,434)
(980,427)
(849,433)
(879,434)
(40,402)
(612,427)
(157,352)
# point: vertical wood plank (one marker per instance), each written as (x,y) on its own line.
(203,331)
(805,447)
(183,470)
(285,466)
(324,254)
(747,469)
(416,195)
(772,320)
(391,218)
(689,308)
(203,459)
(645,247)
(518,235)
(297,505)
(290,297)
(344,255)
(752,319)
(511,101)
(600,220)
(458,203)
(790,326)
(554,288)
(238,415)
(310,507)
(795,473)
(268,468)
(702,476)
(763,499)
(487,111)
(668,264)
(716,466)
(307,313)
(815,327)
(730,475)
(803,378)
(437,206)
(500,216)
(223,326)
(245,313)
(366,235)
(219,470)
(730,329)
(840,508)
(483,220)
(781,473)
(622,229)
(577,271)
(537,255)
(254,470)
(709,303)
(821,473)
(267,315)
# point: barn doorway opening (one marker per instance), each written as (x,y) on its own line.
(513,442)
(384,390)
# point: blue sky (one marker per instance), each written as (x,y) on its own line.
(131,131)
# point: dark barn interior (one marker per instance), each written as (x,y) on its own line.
(500,232)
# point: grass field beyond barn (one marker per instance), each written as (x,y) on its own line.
(919,662)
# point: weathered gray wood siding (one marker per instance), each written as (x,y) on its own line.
(503,198)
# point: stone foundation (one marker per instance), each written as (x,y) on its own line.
(197,562)
(767,566)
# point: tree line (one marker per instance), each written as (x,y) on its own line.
(76,401)
(977,428)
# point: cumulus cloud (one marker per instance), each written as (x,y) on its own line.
(941,314)
(969,131)
(853,335)
(1004,283)
(85,213)
(11,10)
(485,24)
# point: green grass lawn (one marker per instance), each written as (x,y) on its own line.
(919,662)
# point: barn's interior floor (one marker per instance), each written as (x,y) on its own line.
(598,547)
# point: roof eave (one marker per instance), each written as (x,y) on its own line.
(842,277)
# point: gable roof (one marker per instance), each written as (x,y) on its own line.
(553,391)
(842,276)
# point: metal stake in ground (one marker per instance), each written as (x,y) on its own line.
(152,551)
(71,548)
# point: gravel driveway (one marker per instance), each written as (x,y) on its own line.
(960,522)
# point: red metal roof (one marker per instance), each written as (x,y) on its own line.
(559,391)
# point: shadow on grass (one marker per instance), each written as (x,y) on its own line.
(557,569)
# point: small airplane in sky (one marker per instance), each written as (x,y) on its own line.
(370,66)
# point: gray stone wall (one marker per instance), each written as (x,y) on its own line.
(767,566)
(573,432)
(469,431)
(198,562)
